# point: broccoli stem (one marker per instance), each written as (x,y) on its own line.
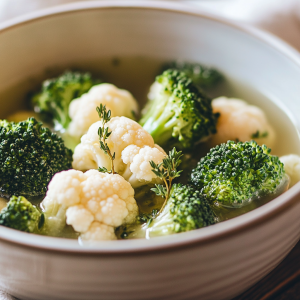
(160,125)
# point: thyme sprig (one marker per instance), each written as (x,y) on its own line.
(104,133)
(147,218)
(167,171)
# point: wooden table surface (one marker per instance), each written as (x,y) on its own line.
(283,283)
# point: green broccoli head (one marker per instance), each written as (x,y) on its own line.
(185,210)
(30,155)
(233,173)
(53,101)
(202,76)
(178,114)
(20,214)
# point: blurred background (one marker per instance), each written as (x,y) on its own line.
(280,17)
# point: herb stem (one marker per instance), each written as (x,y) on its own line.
(112,162)
(167,171)
(103,134)
(166,197)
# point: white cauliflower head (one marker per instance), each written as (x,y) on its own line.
(125,133)
(133,146)
(241,121)
(83,110)
(139,171)
(79,212)
(106,193)
(99,232)
(92,197)
(65,187)
(292,167)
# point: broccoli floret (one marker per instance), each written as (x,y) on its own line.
(53,101)
(202,76)
(30,155)
(233,173)
(178,114)
(20,214)
(185,210)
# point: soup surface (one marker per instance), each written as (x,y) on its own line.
(136,74)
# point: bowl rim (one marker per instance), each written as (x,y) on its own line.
(176,242)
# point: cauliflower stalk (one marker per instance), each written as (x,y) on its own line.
(133,146)
(83,110)
(93,203)
(240,121)
(138,170)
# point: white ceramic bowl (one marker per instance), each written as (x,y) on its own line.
(217,262)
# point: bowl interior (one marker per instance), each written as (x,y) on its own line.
(125,46)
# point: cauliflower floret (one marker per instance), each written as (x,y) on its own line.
(292,167)
(65,187)
(83,110)
(79,212)
(133,164)
(88,155)
(109,190)
(139,171)
(241,121)
(85,198)
(99,232)
(112,206)
(125,132)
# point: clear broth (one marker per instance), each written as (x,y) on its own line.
(136,74)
